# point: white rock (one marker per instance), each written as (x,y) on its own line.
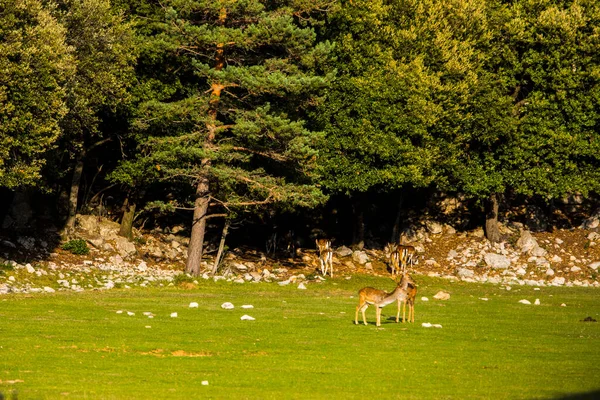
(29,268)
(441,295)
(526,242)
(465,273)
(563,305)
(227,306)
(147,327)
(538,252)
(130,313)
(48,289)
(11,278)
(360,257)
(142,267)
(556,259)
(558,281)
(550,272)
(426,325)
(120,312)
(301,286)
(594,265)
(174,315)
(436,325)
(146,313)
(536,302)
(575,269)
(524,301)
(483,298)
(343,251)
(193,304)
(247,306)
(204,383)
(424,299)
(497,261)
(247,318)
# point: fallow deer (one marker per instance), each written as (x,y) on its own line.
(409,285)
(325,255)
(379,299)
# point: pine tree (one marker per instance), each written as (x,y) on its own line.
(229,122)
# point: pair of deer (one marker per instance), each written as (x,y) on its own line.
(399,256)
(405,293)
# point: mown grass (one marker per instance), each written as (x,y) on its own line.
(303,344)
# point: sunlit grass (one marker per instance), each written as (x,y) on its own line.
(303,343)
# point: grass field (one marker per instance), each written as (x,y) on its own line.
(303,344)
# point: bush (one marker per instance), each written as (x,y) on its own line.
(76,246)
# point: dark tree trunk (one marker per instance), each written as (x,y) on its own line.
(358,234)
(126,229)
(195,249)
(492,231)
(221,246)
(74,193)
(396,230)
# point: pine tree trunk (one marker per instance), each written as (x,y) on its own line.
(195,248)
(126,228)
(492,230)
(221,246)
(74,193)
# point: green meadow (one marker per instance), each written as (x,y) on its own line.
(303,344)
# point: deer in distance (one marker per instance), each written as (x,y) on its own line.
(325,255)
(380,298)
(399,256)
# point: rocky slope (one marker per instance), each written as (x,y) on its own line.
(562,257)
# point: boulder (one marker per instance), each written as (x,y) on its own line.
(343,251)
(526,242)
(124,247)
(434,227)
(593,221)
(360,257)
(496,261)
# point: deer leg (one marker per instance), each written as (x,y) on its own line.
(378,316)
(404,311)
(363,313)
(398,313)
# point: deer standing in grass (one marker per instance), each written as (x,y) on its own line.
(325,255)
(379,298)
(409,285)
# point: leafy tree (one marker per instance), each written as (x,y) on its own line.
(35,64)
(229,123)
(532,124)
(406,69)
(104,56)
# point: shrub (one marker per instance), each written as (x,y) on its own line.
(76,246)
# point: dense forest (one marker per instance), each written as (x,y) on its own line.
(322,117)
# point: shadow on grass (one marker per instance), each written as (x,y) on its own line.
(595,395)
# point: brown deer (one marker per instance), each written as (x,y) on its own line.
(409,285)
(399,256)
(325,255)
(380,299)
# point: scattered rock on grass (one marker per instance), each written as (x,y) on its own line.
(441,295)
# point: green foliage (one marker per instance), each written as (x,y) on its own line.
(76,246)
(5,267)
(248,137)
(35,64)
